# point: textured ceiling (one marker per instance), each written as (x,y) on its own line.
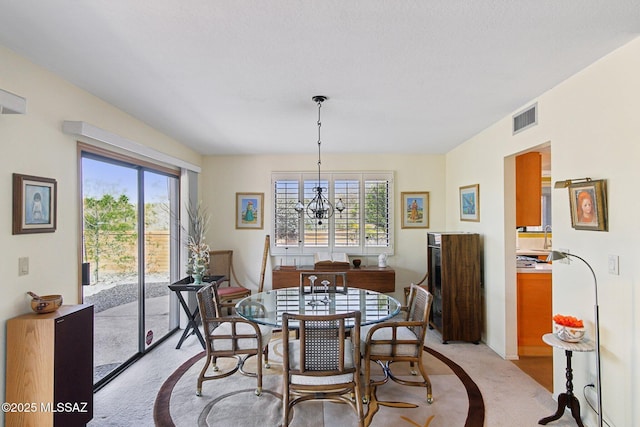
(237,76)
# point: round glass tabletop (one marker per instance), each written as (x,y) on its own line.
(267,307)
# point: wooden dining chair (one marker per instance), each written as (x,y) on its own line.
(230,336)
(324,363)
(400,339)
(221,263)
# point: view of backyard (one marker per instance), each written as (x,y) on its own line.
(127,223)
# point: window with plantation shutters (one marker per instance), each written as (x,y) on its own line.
(376,212)
(364,227)
(347,223)
(286,229)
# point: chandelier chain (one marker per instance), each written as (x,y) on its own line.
(319,208)
(319,101)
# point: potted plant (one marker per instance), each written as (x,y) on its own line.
(198,249)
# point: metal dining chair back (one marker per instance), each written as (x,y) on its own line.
(221,263)
(324,363)
(230,336)
(325,282)
(399,340)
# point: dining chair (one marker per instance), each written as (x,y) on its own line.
(324,363)
(400,339)
(221,263)
(230,336)
(323,282)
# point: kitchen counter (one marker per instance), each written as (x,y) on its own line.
(533,252)
(539,268)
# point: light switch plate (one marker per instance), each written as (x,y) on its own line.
(614,265)
(23,266)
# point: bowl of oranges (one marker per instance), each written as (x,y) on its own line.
(568,328)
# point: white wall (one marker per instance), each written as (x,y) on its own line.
(34,144)
(222,177)
(591,121)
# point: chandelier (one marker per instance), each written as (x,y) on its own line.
(319,207)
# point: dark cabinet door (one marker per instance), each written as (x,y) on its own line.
(73,373)
(455,281)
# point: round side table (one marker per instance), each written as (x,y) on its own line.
(567,399)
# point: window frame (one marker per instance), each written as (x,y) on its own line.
(331,177)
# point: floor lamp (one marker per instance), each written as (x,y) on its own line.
(557,255)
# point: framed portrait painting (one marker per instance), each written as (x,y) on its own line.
(588,202)
(470,203)
(249,210)
(34,204)
(415,209)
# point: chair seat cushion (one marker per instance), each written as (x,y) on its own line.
(403,333)
(224,328)
(226,291)
(294,363)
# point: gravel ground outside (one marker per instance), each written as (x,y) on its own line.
(117,290)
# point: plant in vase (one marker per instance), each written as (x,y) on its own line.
(198,249)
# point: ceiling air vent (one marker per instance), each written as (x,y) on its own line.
(525,119)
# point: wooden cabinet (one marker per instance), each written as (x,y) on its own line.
(534,313)
(375,278)
(454,279)
(50,368)
(529,190)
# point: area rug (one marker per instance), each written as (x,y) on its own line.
(231,401)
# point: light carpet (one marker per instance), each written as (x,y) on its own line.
(231,401)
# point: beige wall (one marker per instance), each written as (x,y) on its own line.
(222,177)
(34,144)
(591,121)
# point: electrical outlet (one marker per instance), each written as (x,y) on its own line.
(614,265)
(564,260)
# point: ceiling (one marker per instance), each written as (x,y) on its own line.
(237,76)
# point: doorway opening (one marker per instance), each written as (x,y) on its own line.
(130,236)
(533,282)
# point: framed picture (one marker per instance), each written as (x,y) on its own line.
(470,203)
(34,204)
(415,209)
(249,210)
(588,202)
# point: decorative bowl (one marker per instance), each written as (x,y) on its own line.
(357,262)
(568,333)
(46,303)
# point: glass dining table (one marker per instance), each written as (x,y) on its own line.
(267,307)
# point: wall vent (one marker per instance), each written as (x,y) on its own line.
(525,119)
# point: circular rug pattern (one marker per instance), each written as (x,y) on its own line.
(230,407)
(224,410)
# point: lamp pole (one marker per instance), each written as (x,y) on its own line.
(554,255)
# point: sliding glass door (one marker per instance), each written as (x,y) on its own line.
(161,251)
(130,236)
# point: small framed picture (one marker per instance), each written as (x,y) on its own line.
(588,201)
(34,204)
(470,203)
(415,209)
(249,210)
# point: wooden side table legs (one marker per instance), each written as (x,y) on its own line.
(567,399)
